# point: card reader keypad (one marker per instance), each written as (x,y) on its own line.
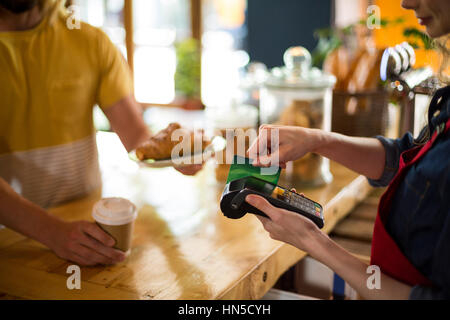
(302,203)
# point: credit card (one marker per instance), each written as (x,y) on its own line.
(242,167)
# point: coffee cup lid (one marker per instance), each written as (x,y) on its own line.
(114,211)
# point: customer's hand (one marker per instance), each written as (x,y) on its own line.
(84,243)
(286,226)
(189,170)
(277,144)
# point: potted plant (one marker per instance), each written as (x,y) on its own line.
(188,74)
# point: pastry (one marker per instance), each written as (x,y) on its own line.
(160,146)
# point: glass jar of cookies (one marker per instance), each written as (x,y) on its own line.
(300,95)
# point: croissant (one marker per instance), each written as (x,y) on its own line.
(160,146)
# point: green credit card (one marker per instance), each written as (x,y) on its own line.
(242,167)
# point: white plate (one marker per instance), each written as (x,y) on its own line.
(217,144)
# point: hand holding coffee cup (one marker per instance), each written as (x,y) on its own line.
(83,243)
(116,217)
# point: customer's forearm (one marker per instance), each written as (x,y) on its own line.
(126,120)
(21,215)
(363,155)
(354,271)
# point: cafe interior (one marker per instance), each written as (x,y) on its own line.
(221,69)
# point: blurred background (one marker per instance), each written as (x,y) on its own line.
(215,53)
(232,33)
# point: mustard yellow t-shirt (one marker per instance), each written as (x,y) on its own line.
(50,79)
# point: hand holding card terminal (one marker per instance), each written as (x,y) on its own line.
(233,203)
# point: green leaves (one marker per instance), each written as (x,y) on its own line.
(416,34)
(330,39)
(385,22)
(188,70)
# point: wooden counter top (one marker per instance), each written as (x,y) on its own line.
(183,247)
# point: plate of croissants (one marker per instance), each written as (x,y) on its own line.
(176,146)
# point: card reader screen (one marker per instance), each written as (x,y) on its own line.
(267,188)
(259,185)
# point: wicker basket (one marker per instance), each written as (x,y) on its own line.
(362,114)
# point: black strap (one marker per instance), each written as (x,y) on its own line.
(440,99)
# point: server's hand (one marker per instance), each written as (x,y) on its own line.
(285,225)
(277,144)
(189,170)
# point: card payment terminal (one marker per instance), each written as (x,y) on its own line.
(234,206)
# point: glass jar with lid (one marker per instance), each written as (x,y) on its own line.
(297,94)
(237,124)
(251,82)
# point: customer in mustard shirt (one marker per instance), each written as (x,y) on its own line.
(50,79)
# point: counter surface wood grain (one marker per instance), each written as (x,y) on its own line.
(183,247)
